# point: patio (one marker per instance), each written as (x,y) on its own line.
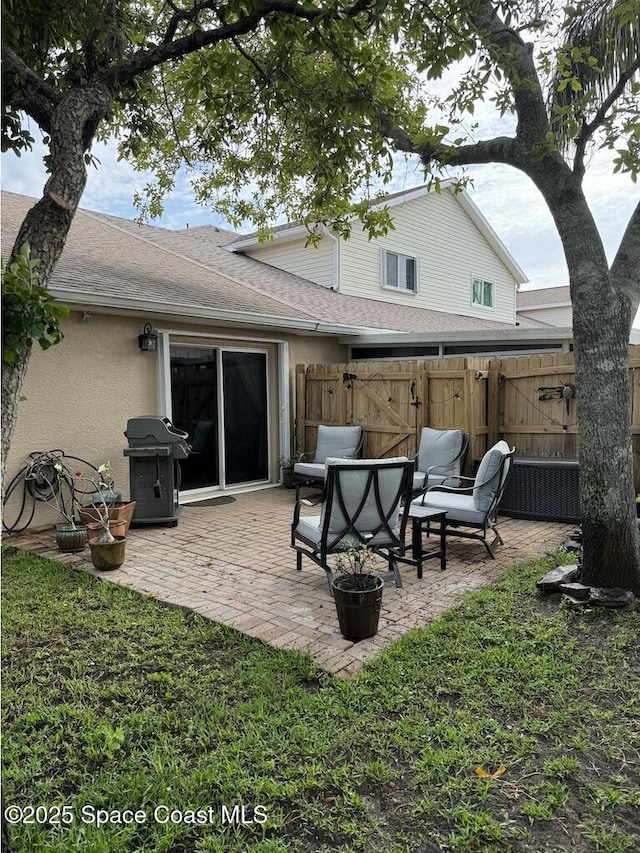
(231,562)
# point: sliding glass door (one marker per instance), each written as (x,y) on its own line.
(219,397)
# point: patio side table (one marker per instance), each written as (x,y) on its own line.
(421,515)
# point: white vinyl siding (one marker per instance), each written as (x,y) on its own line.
(399,271)
(561,316)
(450,250)
(482,292)
(316,264)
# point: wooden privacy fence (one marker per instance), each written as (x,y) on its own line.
(526,400)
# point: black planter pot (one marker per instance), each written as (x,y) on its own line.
(288,478)
(358,609)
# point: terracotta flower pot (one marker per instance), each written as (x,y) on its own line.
(107,556)
(117,511)
(117,527)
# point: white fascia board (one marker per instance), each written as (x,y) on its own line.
(200,314)
(537,306)
(468,335)
(251,241)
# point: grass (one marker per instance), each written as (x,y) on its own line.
(114,702)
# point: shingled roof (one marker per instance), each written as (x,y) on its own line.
(189,273)
(543,297)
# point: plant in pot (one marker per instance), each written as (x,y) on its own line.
(54,484)
(107,537)
(286,466)
(357,592)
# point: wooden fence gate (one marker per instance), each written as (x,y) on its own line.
(392,402)
(524,399)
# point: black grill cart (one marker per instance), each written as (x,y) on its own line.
(155,448)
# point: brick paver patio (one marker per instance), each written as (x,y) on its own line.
(231,562)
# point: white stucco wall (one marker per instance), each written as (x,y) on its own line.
(80,393)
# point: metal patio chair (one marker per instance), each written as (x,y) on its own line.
(474,506)
(365,502)
(335,442)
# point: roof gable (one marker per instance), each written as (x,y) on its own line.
(121,265)
(293,231)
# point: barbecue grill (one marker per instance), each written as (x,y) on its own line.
(155,448)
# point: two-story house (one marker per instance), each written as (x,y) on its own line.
(441,255)
(232,319)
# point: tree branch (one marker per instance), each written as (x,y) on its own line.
(515,58)
(145,60)
(589,128)
(501,149)
(27,91)
(625,266)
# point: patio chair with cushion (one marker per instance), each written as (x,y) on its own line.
(440,457)
(474,505)
(365,502)
(336,442)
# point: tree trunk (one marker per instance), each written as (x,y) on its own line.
(47,224)
(12,381)
(601,323)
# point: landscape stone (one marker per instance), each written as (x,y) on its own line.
(576,590)
(560,575)
(611,597)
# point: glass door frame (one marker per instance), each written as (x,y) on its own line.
(222,443)
(231,343)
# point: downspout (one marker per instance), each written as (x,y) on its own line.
(336,256)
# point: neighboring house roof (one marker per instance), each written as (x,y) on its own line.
(190,274)
(290,231)
(543,297)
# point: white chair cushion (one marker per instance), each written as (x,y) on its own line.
(439,447)
(490,464)
(342,442)
(458,507)
(311,526)
(310,469)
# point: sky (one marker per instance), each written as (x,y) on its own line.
(507,198)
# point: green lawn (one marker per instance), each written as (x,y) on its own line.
(113,702)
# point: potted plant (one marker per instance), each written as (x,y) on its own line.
(286,466)
(119,511)
(107,549)
(55,485)
(357,593)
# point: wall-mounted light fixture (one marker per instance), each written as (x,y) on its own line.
(148,340)
(86,316)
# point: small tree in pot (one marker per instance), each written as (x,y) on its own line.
(357,592)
